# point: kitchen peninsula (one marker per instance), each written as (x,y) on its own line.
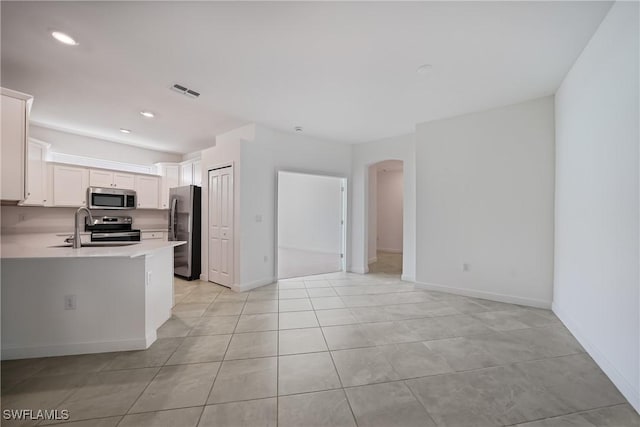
(62,301)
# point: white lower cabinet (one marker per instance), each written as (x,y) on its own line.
(69,185)
(148,191)
(153,235)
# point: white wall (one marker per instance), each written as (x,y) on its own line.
(597,192)
(485,186)
(78,145)
(365,155)
(226,151)
(389,210)
(373,214)
(261,158)
(257,154)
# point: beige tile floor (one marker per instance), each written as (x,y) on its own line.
(332,350)
(386,262)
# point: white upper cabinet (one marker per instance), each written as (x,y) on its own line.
(106,178)
(186,173)
(100,178)
(37,174)
(170,178)
(191,172)
(70,185)
(15,108)
(197,173)
(126,181)
(147,191)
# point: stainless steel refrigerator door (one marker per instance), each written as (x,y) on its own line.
(182,205)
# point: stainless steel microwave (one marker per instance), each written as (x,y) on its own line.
(110,198)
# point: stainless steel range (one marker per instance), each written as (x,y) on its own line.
(112,229)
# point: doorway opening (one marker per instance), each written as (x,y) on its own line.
(311,235)
(385,222)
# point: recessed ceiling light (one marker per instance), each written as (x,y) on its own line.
(298,128)
(125,130)
(148,114)
(424,69)
(64,38)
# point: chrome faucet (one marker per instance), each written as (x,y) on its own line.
(77,243)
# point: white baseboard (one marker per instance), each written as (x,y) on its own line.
(390,250)
(310,250)
(152,335)
(360,270)
(9,353)
(408,278)
(372,260)
(203,277)
(627,389)
(243,287)
(511,299)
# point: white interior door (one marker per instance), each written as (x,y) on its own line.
(221,225)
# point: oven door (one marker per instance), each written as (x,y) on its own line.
(116,236)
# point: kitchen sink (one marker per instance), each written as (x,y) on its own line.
(96,244)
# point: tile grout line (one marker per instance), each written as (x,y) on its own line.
(581,411)
(165,364)
(377,383)
(349,309)
(215,378)
(333,362)
(158,371)
(420,402)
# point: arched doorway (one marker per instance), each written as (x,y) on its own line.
(385,217)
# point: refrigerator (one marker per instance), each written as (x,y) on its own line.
(184,225)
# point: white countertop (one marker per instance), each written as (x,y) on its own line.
(15,250)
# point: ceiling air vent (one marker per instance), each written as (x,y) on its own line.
(185,91)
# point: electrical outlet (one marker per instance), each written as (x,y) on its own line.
(258,218)
(22,217)
(465,267)
(69,302)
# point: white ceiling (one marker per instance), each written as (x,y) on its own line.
(342,71)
